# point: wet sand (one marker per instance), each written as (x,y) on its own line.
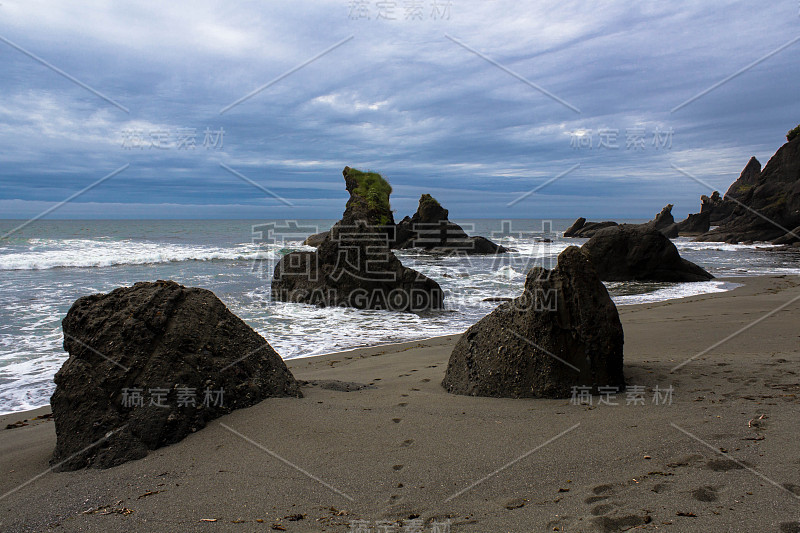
(718,453)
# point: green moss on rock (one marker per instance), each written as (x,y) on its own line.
(427,199)
(373,188)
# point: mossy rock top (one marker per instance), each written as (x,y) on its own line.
(427,199)
(374,190)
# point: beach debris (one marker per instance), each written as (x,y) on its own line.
(278,527)
(109,509)
(208,519)
(148,493)
(149,365)
(564,332)
(682,513)
(17,424)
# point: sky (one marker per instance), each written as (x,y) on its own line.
(499,109)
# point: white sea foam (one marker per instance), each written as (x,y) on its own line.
(85,253)
(685,244)
(681,290)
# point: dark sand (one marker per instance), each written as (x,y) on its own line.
(405,447)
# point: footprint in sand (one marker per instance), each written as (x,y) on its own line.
(402,404)
(609,524)
(723,465)
(602,509)
(603,489)
(426,380)
(705,494)
(397,468)
(790,527)
(791,487)
(608,517)
(397,420)
(658,488)
(601,493)
(407,442)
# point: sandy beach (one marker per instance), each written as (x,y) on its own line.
(708,446)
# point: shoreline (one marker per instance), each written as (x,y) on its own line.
(404,345)
(399,448)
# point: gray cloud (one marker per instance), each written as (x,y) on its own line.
(399,98)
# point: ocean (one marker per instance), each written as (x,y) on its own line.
(48,264)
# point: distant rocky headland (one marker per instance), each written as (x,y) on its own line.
(762,205)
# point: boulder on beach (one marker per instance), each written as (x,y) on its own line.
(354,266)
(633,252)
(430,229)
(150,364)
(563,332)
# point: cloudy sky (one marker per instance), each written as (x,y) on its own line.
(251,110)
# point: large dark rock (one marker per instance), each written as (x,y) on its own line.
(766,203)
(431,230)
(716,208)
(581,229)
(789,238)
(354,266)
(742,189)
(575,227)
(663,221)
(169,344)
(316,239)
(695,224)
(639,253)
(563,332)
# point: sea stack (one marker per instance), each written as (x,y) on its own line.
(430,229)
(563,332)
(353,265)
